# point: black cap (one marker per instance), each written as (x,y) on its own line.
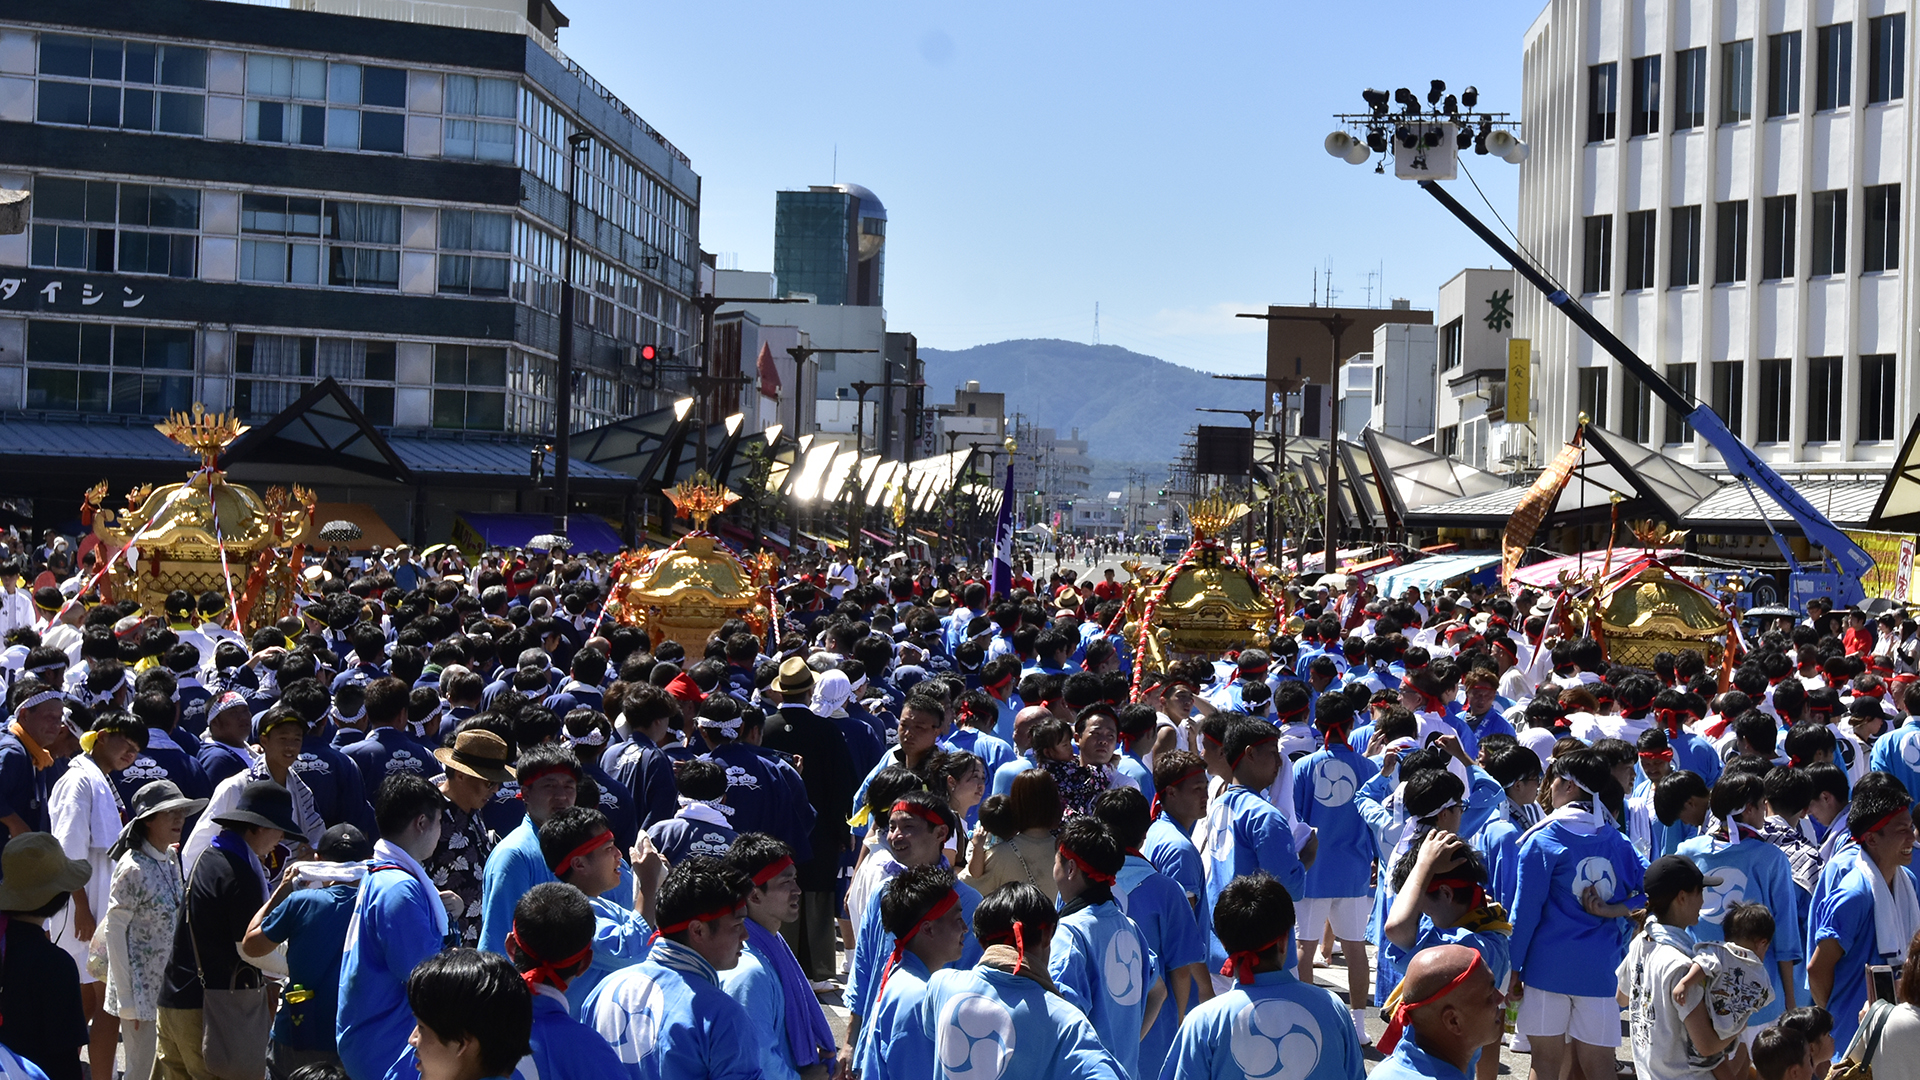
(1671,875)
(344,843)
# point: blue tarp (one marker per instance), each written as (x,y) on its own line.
(588,532)
(1434,571)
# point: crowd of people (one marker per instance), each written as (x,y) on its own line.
(460,825)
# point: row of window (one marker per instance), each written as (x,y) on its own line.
(108,82)
(1779,233)
(1774,399)
(1832,79)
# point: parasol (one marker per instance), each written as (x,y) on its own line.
(549,542)
(340,532)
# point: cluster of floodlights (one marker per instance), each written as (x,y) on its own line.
(1415,126)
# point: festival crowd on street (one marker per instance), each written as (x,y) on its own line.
(925,824)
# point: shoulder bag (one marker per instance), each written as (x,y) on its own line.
(1849,1069)
(235,1022)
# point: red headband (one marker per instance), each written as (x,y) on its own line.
(685,689)
(585,848)
(1249,672)
(1883,822)
(940,907)
(1000,684)
(1154,810)
(1019,936)
(546,971)
(718,913)
(1073,857)
(1241,965)
(527,778)
(1457,884)
(771,870)
(1669,719)
(1657,755)
(1247,749)
(925,813)
(1403,1011)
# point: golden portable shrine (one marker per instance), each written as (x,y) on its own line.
(204,534)
(1642,607)
(1207,603)
(685,591)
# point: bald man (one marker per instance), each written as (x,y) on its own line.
(1023,722)
(1447,1008)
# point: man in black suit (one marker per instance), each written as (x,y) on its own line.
(827,769)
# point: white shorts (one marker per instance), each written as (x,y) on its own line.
(1591,1020)
(1347,914)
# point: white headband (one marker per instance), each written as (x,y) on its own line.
(40,698)
(729,728)
(596,737)
(715,804)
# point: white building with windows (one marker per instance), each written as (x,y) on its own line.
(1720,183)
(1475,320)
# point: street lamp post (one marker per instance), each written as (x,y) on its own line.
(563,381)
(1336,326)
(801,354)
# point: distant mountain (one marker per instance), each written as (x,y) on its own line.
(1128,406)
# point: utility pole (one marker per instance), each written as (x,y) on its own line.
(801,354)
(708,304)
(563,374)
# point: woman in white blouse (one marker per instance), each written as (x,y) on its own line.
(143,907)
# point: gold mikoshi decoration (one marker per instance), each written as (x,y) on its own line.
(1656,534)
(202,433)
(1214,513)
(204,534)
(698,498)
(686,591)
(1654,610)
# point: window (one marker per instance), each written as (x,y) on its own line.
(1730,393)
(1876,399)
(1829,232)
(1887,55)
(1883,228)
(1640,249)
(134,85)
(1682,378)
(1593,394)
(468,230)
(1446,441)
(74,227)
(1636,409)
(1823,399)
(367,128)
(458,368)
(278,369)
(280,261)
(1646,96)
(1783,74)
(1776,401)
(1683,247)
(1598,269)
(1777,231)
(1736,82)
(1603,93)
(1689,89)
(1730,243)
(351,225)
(299,113)
(479,139)
(1452,342)
(1833,72)
(95,368)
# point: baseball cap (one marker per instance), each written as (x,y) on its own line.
(1671,875)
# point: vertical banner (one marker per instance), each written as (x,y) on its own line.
(1002,582)
(1519,381)
(1903,577)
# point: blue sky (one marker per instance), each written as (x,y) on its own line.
(1162,159)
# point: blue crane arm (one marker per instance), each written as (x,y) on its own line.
(1852,559)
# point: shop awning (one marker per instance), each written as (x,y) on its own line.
(876,537)
(374,532)
(1434,572)
(1587,563)
(475,532)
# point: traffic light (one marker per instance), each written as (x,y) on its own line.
(649,372)
(1163,493)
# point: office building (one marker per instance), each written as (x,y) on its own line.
(1475,320)
(829,242)
(1305,342)
(1721,184)
(1389,388)
(231,203)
